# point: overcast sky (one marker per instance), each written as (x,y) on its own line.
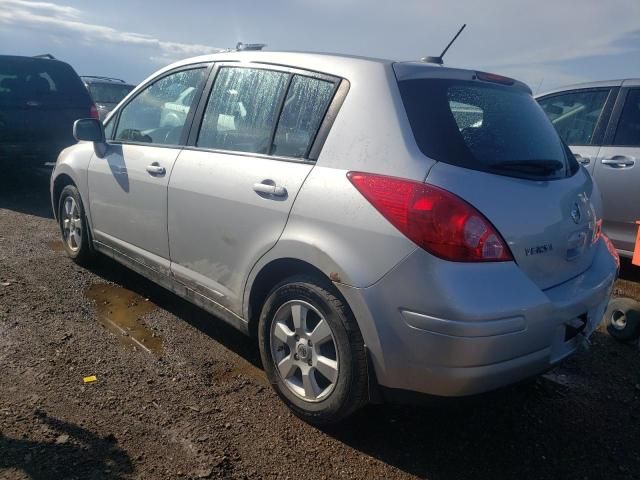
(544,43)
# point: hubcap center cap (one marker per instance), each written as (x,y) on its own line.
(303,351)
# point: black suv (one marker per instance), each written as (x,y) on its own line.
(106,92)
(40,98)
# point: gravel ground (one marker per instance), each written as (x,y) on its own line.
(181,395)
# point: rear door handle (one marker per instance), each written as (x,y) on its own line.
(619,161)
(156,169)
(268,188)
(582,159)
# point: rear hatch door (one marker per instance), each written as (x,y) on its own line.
(497,150)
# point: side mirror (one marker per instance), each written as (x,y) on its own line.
(91,130)
(88,130)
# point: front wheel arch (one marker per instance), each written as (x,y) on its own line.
(59,183)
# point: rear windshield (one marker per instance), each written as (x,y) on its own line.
(39,82)
(108,92)
(486,127)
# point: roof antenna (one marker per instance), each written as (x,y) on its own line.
(438,60)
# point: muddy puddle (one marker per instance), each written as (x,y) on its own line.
(120,310)
(56,245)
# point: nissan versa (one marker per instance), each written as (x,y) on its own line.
(381,227)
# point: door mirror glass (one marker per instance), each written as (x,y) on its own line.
(88,130)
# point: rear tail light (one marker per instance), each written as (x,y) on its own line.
(435,219)
(93,112)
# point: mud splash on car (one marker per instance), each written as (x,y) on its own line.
(121,311)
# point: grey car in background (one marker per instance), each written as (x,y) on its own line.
(380,227)
(600,122)
(106,92)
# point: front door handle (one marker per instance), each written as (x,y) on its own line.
(156,169)
(582,159)
(269,188)
(619,161)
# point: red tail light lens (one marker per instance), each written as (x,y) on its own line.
(435,219)
(93,112)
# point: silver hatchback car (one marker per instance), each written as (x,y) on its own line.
(600,122)
(381,227)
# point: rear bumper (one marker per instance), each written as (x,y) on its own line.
(453,329)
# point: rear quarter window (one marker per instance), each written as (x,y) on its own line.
(482,126)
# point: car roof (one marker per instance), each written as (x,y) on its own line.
(321,62)
(337,64)
(24,59)
(585,85)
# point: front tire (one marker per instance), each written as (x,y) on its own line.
(73,226)
(312,350)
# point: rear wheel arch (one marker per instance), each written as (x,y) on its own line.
(271,275)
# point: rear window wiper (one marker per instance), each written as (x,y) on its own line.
(532,167)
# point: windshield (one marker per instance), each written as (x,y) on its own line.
(39,82)
(108,92)
(485,127)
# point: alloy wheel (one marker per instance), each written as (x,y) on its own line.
(71,224)
(304,350)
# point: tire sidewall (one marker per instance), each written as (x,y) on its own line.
(338,400)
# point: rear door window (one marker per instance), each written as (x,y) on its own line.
(304,108)
(575,114)
(39,82)
(242,110)
(484,126)
(628,131)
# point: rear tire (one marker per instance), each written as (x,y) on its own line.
(312,350)
(74,226)
(622,319)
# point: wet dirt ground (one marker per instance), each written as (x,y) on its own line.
(179,394)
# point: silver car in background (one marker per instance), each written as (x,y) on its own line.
(600,122)
(381,227)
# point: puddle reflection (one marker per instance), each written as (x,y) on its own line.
(120,310)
